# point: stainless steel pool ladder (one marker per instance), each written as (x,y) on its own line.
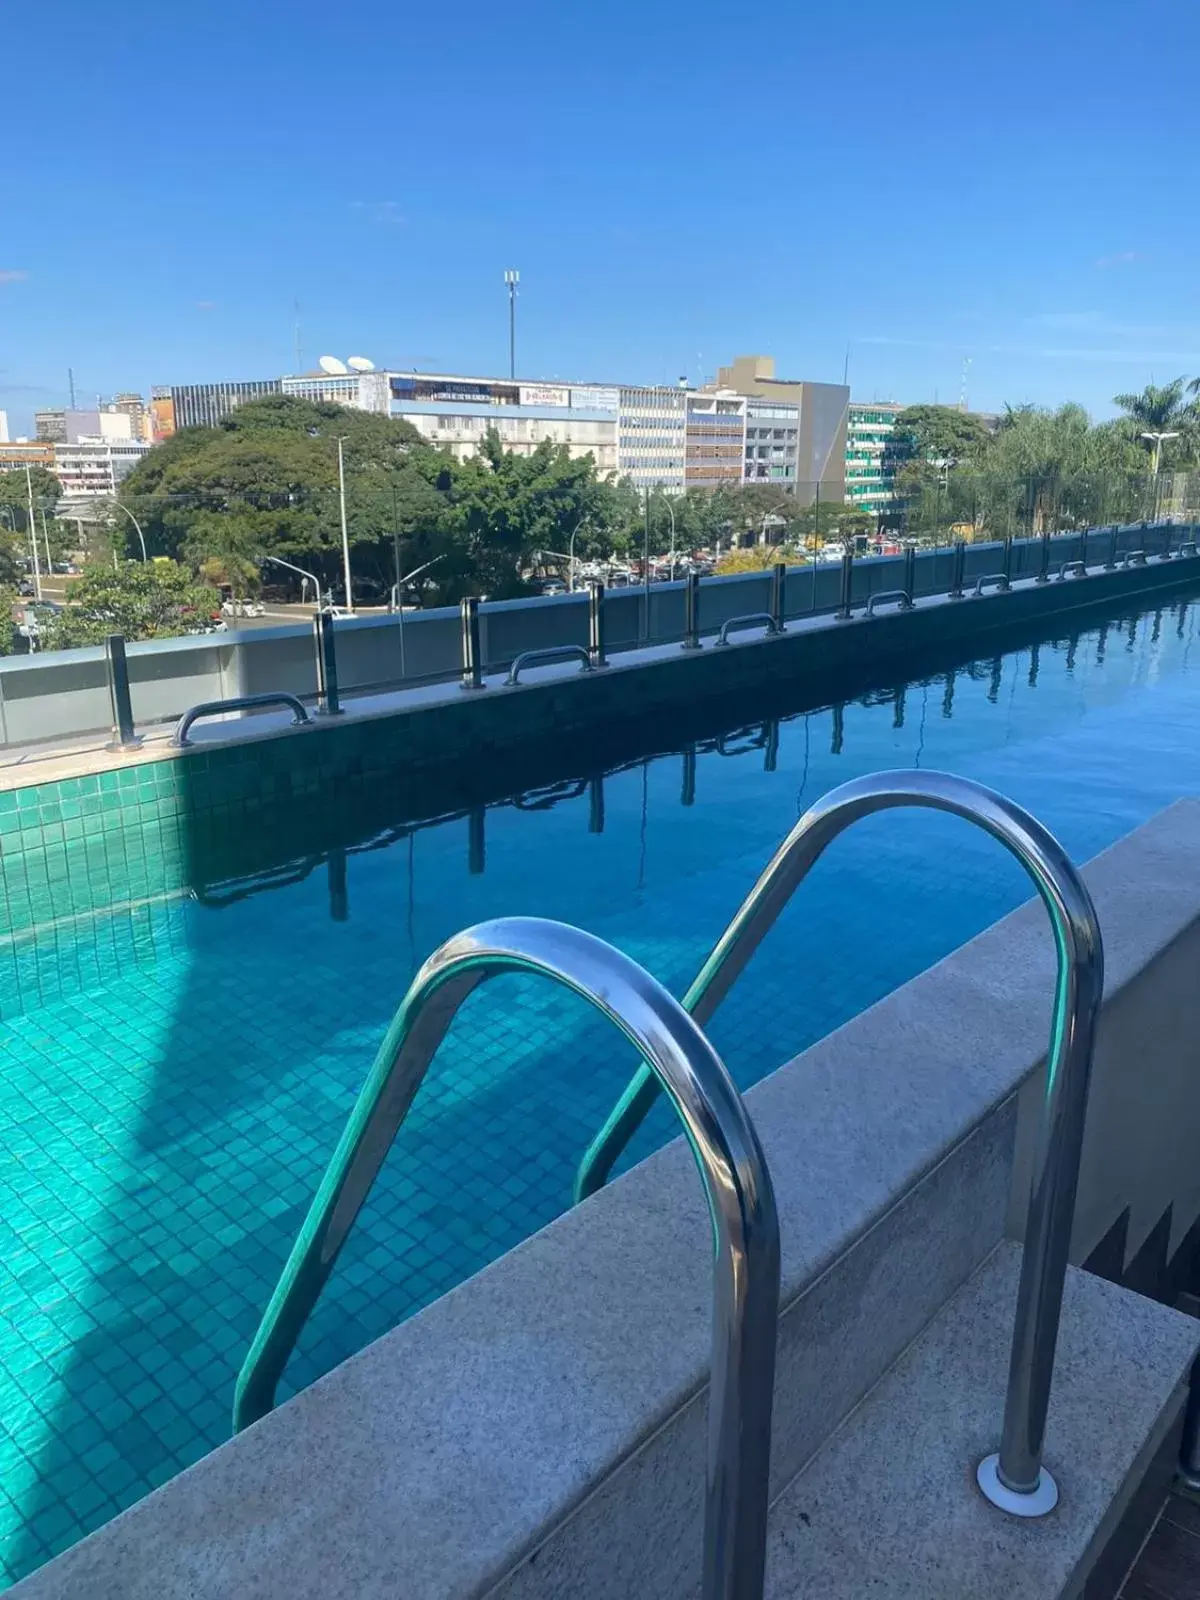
(240,702)
(726,1151)
(1014,1478)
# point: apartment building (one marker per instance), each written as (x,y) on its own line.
(714,440)
(94,467)
(772,443)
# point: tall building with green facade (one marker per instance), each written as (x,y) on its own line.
(870,461)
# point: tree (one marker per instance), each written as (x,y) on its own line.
(142,600)
(1161,408)
(940,434)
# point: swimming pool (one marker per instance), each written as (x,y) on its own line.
(172,1091)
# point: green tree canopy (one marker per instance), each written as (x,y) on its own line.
(939,434)
(142,600)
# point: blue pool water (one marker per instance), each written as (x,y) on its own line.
(168,1108)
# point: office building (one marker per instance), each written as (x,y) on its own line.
(457,413)
(91,467)
(870,456)
(50,426)
(652,436)
(134,407)
(821,422)
(202,405)
(714,440)
(363,391)
(69,427)
(772,443)
(19,453)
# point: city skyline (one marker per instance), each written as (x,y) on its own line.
(961,223)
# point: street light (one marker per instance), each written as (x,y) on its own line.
(1158,444)
(571,552)
(345,532)
(37,574)
(512,278)
(136,523)
(304,574)
(1158,439)
(671,514)
(398,591)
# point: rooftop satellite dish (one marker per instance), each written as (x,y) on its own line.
(333,366)
(360,364)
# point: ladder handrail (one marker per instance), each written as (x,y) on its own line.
(553,652)
(752,619)
(885,597)
(238,702)
(723,1142)
(1078,990)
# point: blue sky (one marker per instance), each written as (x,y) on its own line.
(924,182)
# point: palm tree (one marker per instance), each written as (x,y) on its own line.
(1161,408)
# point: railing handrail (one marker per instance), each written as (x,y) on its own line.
(885,596)
(752,619)
(1000,578)
(724,1145)
(1129,557)
(238,702)
(1078,990)
(553,652)
(1188,547)
(1072,566)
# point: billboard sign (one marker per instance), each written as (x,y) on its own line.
(544,394)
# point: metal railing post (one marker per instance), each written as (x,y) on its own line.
(687,788)
(328,702)
(116,668)
(1083,548)
(596,803)
(1006,564)
(1044,570)
(909,581)
(843,610)
(476,840)
(958,569)
(596,655)
(1189,1444)
(472,658)
(1111,560)
(691,612)
(778,595)
(724,1146)
(1013,1478)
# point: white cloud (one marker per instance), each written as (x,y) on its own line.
(13,275)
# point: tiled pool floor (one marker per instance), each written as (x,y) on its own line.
(168,1113)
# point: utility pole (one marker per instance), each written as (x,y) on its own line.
(512,278)
(71,385)
(37,573)
(345,532)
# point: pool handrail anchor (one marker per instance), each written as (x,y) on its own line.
(1000,579)
(544,657)
(1132,558)
(1014,1478)
(752,619)
(238,702)
(724,1145)
(1188,547)
(1077,568)
(902,598)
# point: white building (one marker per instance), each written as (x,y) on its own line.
(363,391)
(96,466)
(457,413)
(3,427)
(652,436)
